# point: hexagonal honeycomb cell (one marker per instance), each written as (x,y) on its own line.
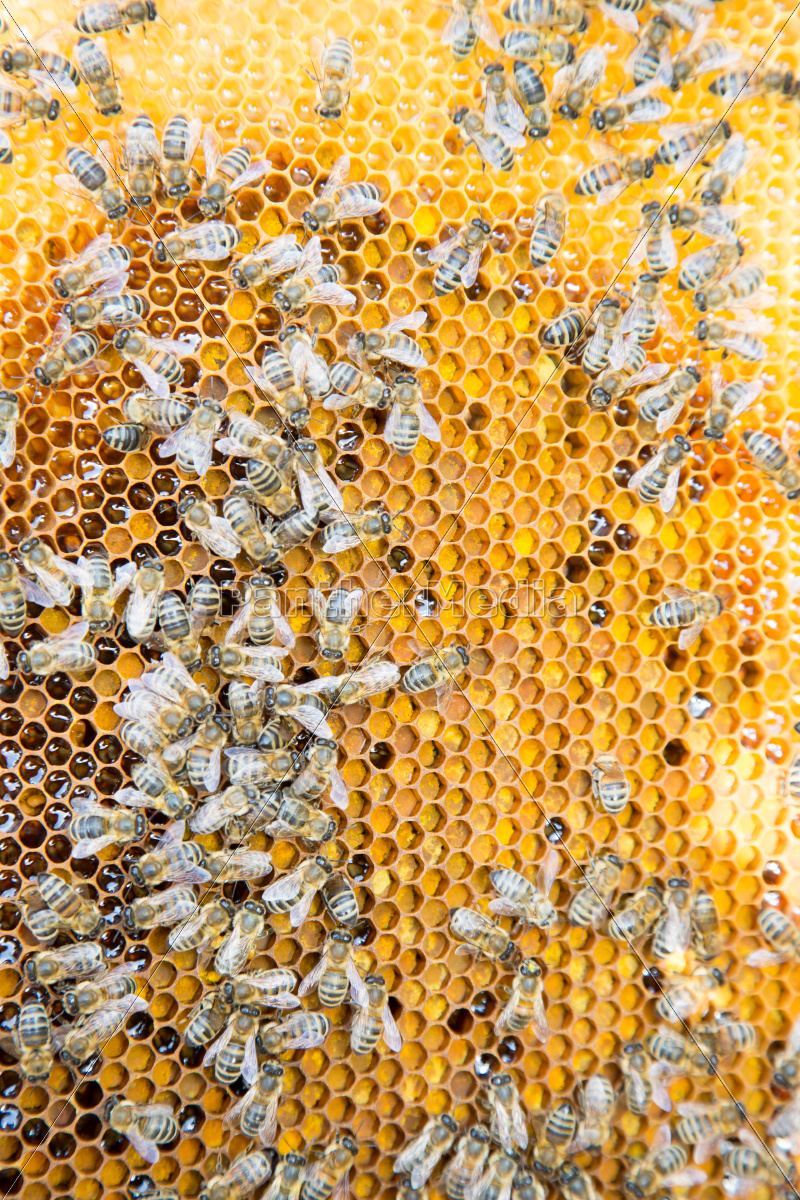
(524,499)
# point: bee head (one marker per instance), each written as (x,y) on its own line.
(493,69)
(709,196)
(651,207)
(700,302)
(333,655)
(110,1106)
(386,522)
(24,662)
(684,443)
(6,60)
(341,935)
(459,114)
(54,110)
(701,331)
(59,288)
(122,339)
(42,376)
(648,167)
(300,417)
(566,110)
(280,301)
(599,397)
(598,120)
(793,495)
(295,1160)
(463,654)
(310,221)
(714,435)
(160,252)
(449,1123)
(150,8)
(632,1048)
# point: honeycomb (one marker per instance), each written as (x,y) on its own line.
(524,495)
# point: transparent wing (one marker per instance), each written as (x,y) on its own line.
(333,294)
(143,1146)
(670,493)
(339,173)
(548,871)
(443,251)
(669,416)
(391,1034)
(299,911)
(210,151)
(310,261)
(358,989)
(644,472)
(689,636)
(353,204)
(37,594)
(157,383)
(312,979)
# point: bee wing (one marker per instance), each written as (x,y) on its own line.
(188,928)
(659,1075)
(689,636)
(669,416)
(101,242)
(340,795)
(339,173)
(139,610)
(233,1114)
(86,847)
(37,594)
(157,383)
(213,770)
(308,367)
(285,888)
(377,677)
(248,177)
(676,933)
(638,1088)
(269,1124)
(491,153)
(219,537)
(312,979)
(5,669)
(504,908)
(548,871)
(310,261)
(508,1012)
(616,351)
(444,695)
(670,493)
(333,496)
(667,321)
(505,1131)
(210,151)
(648,110)
(423,1170)
(8,445)
(621,18)
(632,315)
(488,33)
(220,1044)
(687,1178)
(444,249)
(458,23)
(391,1034)
(143,1146)
(283,630)
(470,271)
(493,124)
(250,1062)
(299,911)
(358,989)
(649,467)
(331,293)
(54,586)
(608,195)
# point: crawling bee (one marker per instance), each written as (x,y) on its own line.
(319,773)
(575,1183)
(146,1126)
(606,344)
(408,417)
(215,532)
(66,651)
(508,1125)
(637,107)
(86,1039)
(270,460)
(100,589)
(458,258)
(519,898)
(740,285)
(651,57)
(18,105)
(589,906)
(204,753)
(637,915)
(226,174)
(310,370)
(687,610)
(467,25)
(294,893)
(93,827)
(503,115)
(438,670)
(648,311)
(270,989)
(156,359)
(541,46)
(720,178)
(97,263)
(108,305)
(193,443)
(420,1157)
(172,860)
(525,1005)
(568,16)
(141,159)
(50,967)
(554,1139)
(90,995)
(500,1178)
(174,904)
(213,813)
(238,866)
(253,768)
(142,609)
(607,179)
(234,1052)
(772,458)
(598,1100)
(701,55)
(179,141)
(249,926)
(9,419)
(783,936)
(675,1056)
(91,177)
(353,529)
(334,76)
(301,1031)
(533,101)
(673,931)
(312,282)
(210,241)
(467,1163)
(14,590)
(334,616)
(705,265)
(687,996)
(257,662)
(726,1036)
(664,1166)
(610,788)
(257,1111)
(637,1088)
(374,1019)
(351,199)
(663,403)
(244,1177)
(480,936)
(684,145)
(73,910)
(657,243)
(728,401)
(735,337)
(55,576)
(31,1042)
(550,219)
(391,342)
(67,353)
(473,129)
(103,16)
(659,478)
(145,412)
(716,222)
(336,973)
(279,256)
(574,82)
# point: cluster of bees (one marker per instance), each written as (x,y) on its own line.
(262,763)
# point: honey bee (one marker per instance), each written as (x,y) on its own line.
(374,1019)
(473,130)
(13,591)
(771,457)
(225,174)
(93,827)
(180,633)
(657,243)
(103,16)
(704,266)
(532,96)
(481,936)
(648,311)
(634,370)
(18,105)
(301,1031)
(663,1166)
(67,352)
(261,663)
(215,811)
(752,1164)
(637,1087)
(519,898)
(86,1039)
(728,401)
(720,178)
(204,756)
(294,893)
(257,1110)
(638,915)
(31,1041)
(207,1019)
(234,1052)
(390,342)
(91,995)
(659,478)
(467,25)
(207,925)
(279,256)
(674,1056)
(420,1157)
(610,788)
(73,910)
(598,1100)
(288,1179)
(100,589)
(588,907)
(355,528)
(687,610)
(141,158)
(334,616)
(786,1064)
(238,866)
(651,56)
(310,370)
(270,461)
(340,900)
(65,651)
(312,282)
(706,941)
(352,199)
(333,76)
(673,931)
(607,179)
(528,45)
(606,343)
(686,144)
(146,1126)
(550,219)
(735,337)
(459,257)
(466,1166)
(145,412)
(575,1184)
(701,55)
(503,115)
(54,575)
(567,328)
(525,1006)
(734,288)
(408,418)
(319,773)
(336,973)
(88,177)
(156,359)
(255,538)
(165,720)
(107,306)
(97,263)
(637,107)
(9,419)
(553,1140)
(97,72)
(174,904)
(50,967)
(215,532)
(689,996)
(438,670)
(179,141)
(244,1177)
(272,989)
(172,860)
(193,443)
(500,1178)
(142,609)
(250,768)
(716,222)
(319,495)
(727,1036)
(663,403)
(785,1128)
(568,16)
(207,242)
(707,1126)
(747,81)
(249,926)
(573,83)
(376,676)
